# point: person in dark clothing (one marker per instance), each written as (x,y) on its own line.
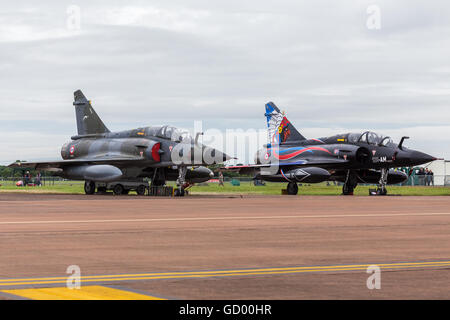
(427,177)
(221,179)
(38,179)
(26,178)
(431,175)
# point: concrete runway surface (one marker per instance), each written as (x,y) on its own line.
(224,247)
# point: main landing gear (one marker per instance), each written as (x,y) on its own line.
(292,188)
(349,184)
(158,179)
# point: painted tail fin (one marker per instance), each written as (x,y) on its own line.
(88,122)
(280,130)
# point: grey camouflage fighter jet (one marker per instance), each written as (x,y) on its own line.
(350,158)
(160,153)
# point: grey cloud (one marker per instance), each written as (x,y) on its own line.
(158,62)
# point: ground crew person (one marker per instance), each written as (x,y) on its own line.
(221,179)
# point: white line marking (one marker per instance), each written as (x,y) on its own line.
(226,218)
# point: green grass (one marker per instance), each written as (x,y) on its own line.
(73,187)
(76,187)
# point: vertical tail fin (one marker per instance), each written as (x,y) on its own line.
(280,130)
(88,122)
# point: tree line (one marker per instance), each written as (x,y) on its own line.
(6,172)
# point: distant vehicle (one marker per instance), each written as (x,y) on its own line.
(101,157)
(350,158)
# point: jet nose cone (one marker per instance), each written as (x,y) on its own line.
(418,157)
(227,157)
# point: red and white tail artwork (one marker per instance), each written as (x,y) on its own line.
(280,129)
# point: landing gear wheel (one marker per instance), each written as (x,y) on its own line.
(179,192)
(382,191)
(89,187)
(347,189)
(292,188)
(118,189)
(141,190)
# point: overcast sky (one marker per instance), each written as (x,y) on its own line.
(173,62)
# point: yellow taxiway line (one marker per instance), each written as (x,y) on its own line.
(84,293)
(221,273)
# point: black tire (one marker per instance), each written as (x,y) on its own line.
(292,188)
(141,190)
(89,187)
(382,191)
(118,189)
(347,189)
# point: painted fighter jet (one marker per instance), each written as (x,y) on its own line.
(98,155)
(350,158)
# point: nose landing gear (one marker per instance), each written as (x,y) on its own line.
(381,190)
(181,181)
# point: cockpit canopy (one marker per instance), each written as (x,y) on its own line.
(370,138)
(170,133)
